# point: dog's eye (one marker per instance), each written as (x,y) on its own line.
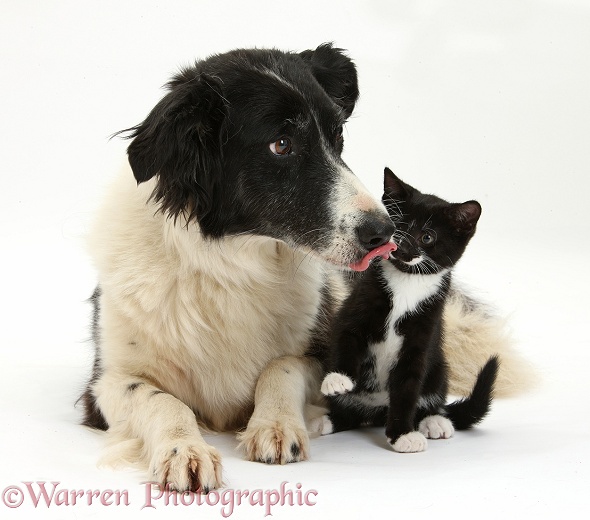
(282,146)
(339,134)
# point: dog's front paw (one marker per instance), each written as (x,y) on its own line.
(409,443)
(436,427)
(335,384)
(184,466)
(275,442)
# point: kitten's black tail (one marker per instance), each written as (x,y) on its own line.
(470,411)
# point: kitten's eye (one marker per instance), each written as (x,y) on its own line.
(428,238)
(339,137)
(282,146)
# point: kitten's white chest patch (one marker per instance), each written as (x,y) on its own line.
(408,290)
(385,354)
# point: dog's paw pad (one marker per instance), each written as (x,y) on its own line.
(274,442)
(436,427)
(409,443)
(182,466)
(335,384)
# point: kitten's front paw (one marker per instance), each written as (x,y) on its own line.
(335,384)
(436,427)
(409,443)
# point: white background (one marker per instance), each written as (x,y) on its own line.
(467,99)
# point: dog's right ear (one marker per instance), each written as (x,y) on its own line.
(180,142)
(336,73)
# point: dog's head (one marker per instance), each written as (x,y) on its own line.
(250,142)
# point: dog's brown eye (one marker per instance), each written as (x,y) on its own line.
(283,146)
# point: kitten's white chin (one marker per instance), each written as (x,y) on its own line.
(415,261)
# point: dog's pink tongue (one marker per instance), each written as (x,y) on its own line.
(382,251)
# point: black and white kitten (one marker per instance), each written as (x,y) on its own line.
(387,365)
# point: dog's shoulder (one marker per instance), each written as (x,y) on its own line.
(147,259)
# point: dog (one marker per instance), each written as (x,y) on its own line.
(220,255)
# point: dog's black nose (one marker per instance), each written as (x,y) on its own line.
(375,231)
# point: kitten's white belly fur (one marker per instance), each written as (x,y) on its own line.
(409,291)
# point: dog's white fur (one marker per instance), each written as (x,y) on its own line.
(218,326)
(473,333)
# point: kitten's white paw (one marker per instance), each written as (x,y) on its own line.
(322,425)
(409,443)
(436,427)
(335,384)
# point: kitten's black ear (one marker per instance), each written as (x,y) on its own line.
(464,216)
(394,187)
(180,143)
(336,73)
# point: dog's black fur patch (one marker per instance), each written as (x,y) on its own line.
(207,141)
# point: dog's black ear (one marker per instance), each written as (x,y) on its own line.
(336,73)
(180,141)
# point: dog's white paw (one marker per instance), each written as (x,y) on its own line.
(275,442)
(322,425)
(409,443)
(335,384)
(182,465)
(436,427)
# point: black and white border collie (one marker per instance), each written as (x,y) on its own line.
(218,258)
(214,260)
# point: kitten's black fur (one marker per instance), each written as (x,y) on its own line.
(388,335)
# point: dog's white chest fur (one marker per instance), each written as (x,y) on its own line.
(408,291)
(231,305)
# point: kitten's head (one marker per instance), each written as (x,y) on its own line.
(431,233)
